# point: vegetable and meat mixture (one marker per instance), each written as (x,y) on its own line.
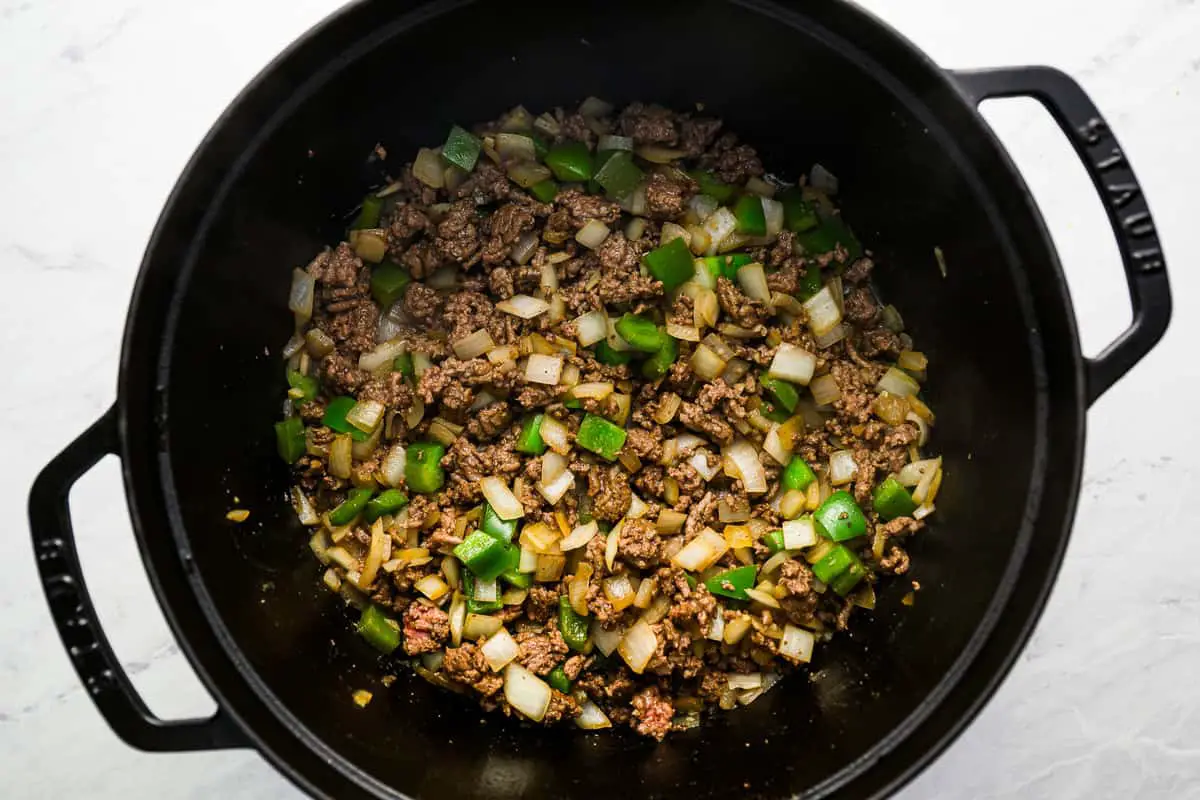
(596,421)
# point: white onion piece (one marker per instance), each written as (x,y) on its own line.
(428,169)
(799,533)
(605,640)
(500,498)
(637,646)
(527,174)
(366,414)
(595,107)
(554,490)
(702,277)
(543,369)
(549,278)
(528,561)
(611,544)
(381,355)
(796,644)
(458,618)
(834,336)
(773,211)
(553,465)
(898,382)
(912,474)
(921,493)
(421,362)
(635,228)
(487,591)
(706,363)
(637,508)
(597,390)
(591,718)
(305,511)
(700,462)
(610,142)
(727,513)
(593,234)
(823,179)
(824,313)
(500,650)
(526,692)
(432,586)
(716,631)
(579,537)
(515,147)
(388,328)
(922,427)
(444,278)
(741,459)
(825,390)
(842,467)
(341,458)
(523,306)
(752,680)
(591,327)
(524,247)
(701,552)
(686,333)
(670,231)
(773,446)
(300,298)
(719,226)
(474,344)
(922,511)
(753,281)
(792,363)
(555,434)
(702,206)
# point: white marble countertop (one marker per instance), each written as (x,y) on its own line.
(95,129)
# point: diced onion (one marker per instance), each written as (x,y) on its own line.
(591,718)
(487,591)
(300,298)
(549,568)
(638,646)
(922,511)
(922,427)
(753,281)
(773,211)
(428,169)
(657,154)
(842,467)
(515,147)
(668,405)
(524,247)
(597,390)
(526,692)
(796,644)
(543,369)
(824,313)
(500,650)
(706,309)
(752,680)
(702,206)
(727,512)
(595,107)
(458,618)
(707,364)
(701,552)
(554,490)
(719,226)
(611,142)
(366,415)
(523,306)
(474,344)
(670,231)
(379,549)
(528,562)
(478,626)
(591,327)
(555,434)
(700,461)
(619,591)
(912,474)
(799,533)
(500,498)
(635,228)
(606,641)
(774,562)
(716,630)
(381,355)
(763,597)
(792,363)
(592,234)
(773,446)
(579,537)
(305,511)
(741,460)
(527,173)
(921,493)
(700,275)
(611,544)
(340,456)
(825,390)
(432,586)
(898,382)
(834,336)
(686,333)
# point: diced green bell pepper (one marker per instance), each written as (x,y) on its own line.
(773,540)
(691,580)
(713,187)
(559,680)
(305,383)
(839,518)
(570,161)
(733,582)
(672,263)
(289,439)
(492,525)
(660,363)
(461,148)
(810,281)
(774,412)
(485,555)
(404,365)
(751,219)
(574,628)
(423,467)
(797,474)
(785,394)
(726,266)
(600,436)
(544,191)
(335,418)
(351,507)
(368,213)
(619,176)
(530,439)
(798,214)
(478,606)
(381,631)
(893,500)
(641,333)
(388,283)
(843,584)
(571,401)
(602,157)
(833,563)
(513,577)
(388,501)
(829,234)
(613,358)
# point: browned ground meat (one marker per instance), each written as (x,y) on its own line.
(648,501)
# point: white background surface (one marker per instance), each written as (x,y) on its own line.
(103,102)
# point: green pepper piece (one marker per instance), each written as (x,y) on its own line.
(602,157)
(751,220)
(773,540)
(839,518)
(613,358)
(798,214)
(797,474)
(545,191)
(521,580)
(810,281)
(713,187)
(381,631)
(672,263)
(461,149)
(335,418)
(619,176)
(843,584)
(574,628)
(305,383)
(368,213)
(388,283)
(691,580)
(785,394)
(478,606)
(600,436)
(559,680)
(641,333)
(893,500)
(571,401)
(829,234)
(570,161)
(660,363)
(530,439)
(774,413)
(351,507)
(404,365)
(833,563)
(733,582)
(289,439)
(726,266)
(492,525)
(387,502)
(423,467)
(486,556)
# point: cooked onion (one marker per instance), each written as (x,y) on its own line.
(796,644)
(473,344)
(579,537)
(500,650)
(515,147)
(591,718)
(432,586)
(606,641)
(556,435)
(591,327)
(619,591)
(523,306)
(554,490)
(773,446)
(458,618)
(792,363)
(611,142)
(543,369)
(726,512)
(898,382)
(427,168)
(842,467)
(595,107)
(366,415)
(340,456)
(300,298)
(716,630)
(834,336)
(305,511)
(773,211)
(526,692)
(597,390)
(753,281)
(825,390)
(707,364)
(824,313)
(706,469)
(702,206)
(670,231)
(524,247)
(478,626)
(611,544)
(593,234)
(686,333)
(701,552)
(719,226)
(638,646)
(741,461)
(380,356)
(500,498)
(799,533)
(922,426)
(377,552)
(912,474)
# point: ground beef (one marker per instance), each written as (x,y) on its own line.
(732,163)
(486,184)
(425,629)
(610,493)
(640,544)
(541,652)
(880,343)
(312,411)
(467,312)
(355,329)
(741,309)
(466,665)
(458,235)
(561,707)
(705,423)
(391,390)
(505,227)
(337,267)
(648,124)
(696,135)
(860,305)
(340,372)
(580,208)
(575,665)
(645,444)
(653,713)
(542,603)
(490,421)
(895,561)
(859,271)
(666,198)
(408,221)
(423,304)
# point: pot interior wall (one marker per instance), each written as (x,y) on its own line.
(796,96)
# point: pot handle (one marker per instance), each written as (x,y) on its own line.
(1111,174)
(76,619)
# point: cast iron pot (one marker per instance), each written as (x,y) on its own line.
(201,379)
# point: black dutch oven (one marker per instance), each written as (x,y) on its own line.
(201,379)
